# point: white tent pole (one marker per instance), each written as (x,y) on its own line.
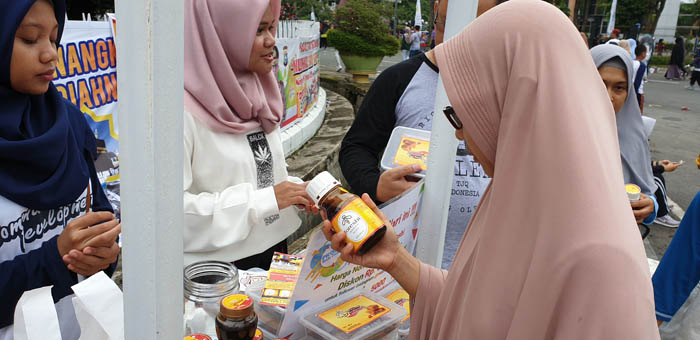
(441,157)
(150,68)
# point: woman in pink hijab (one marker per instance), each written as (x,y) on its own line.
(553,250)
(238,199)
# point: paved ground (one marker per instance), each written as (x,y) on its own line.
(676,137)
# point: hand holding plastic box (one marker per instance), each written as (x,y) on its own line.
(407,146)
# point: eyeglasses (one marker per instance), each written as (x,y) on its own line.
(452,117)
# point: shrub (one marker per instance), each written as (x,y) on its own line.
(360,30)
(351,44)
(658,60)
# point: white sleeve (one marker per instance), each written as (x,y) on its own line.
(214,220)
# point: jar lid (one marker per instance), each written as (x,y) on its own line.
(197,337)
(236,306)
(321,185)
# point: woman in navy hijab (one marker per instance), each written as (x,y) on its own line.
(56,225)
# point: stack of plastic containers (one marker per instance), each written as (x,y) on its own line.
(269,317)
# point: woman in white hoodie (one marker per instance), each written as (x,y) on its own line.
(239,202)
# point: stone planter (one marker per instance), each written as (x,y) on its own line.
(361,67)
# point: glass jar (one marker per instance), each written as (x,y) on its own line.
(205,284)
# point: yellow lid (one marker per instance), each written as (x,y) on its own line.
(632,189)
(237,306)
(197,337)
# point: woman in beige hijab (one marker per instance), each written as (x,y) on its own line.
(553,250)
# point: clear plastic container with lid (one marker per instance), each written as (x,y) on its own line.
(205,284)
(347,212)
(357,315)
(269,317)
(399,296)
(407,146)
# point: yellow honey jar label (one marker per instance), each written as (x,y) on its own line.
(358,222)
(353,314)
(401,298)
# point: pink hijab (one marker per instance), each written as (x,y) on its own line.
(552,251)
(219,89)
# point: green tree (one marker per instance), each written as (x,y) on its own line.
(652,13)
(302,9)
(629,13)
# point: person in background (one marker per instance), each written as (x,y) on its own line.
(616,70)
(585,38)
(415,42)
(640,74)
(678,272)
(405,46)
(660,47)
(404,95)
(695,75)
(625,45)
(658,169)
(239,201)
(324,34)
(552,252)
(56,224)
(615,34)
(675,67)
(633,47)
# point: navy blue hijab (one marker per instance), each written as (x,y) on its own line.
(47,149)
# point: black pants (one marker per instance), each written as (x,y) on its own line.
(661,195)
(695,77)
(263,259)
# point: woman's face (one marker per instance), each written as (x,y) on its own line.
(34,54)
(615,81)
(473,150)
(261,56)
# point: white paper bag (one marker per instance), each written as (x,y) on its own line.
(35,316)
(99,308)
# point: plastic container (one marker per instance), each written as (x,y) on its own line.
(269,317)
(360,314)
(399,296)
(633,192)
(407,146)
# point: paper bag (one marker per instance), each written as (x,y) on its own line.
(35,316)
(99,308)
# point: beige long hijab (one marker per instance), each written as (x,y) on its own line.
(553,251)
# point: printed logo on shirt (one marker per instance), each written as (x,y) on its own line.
(263,164)
(31,225)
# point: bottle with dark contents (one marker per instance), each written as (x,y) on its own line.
(237,319)
(347,212)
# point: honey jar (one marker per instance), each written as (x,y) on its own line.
(347,212)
